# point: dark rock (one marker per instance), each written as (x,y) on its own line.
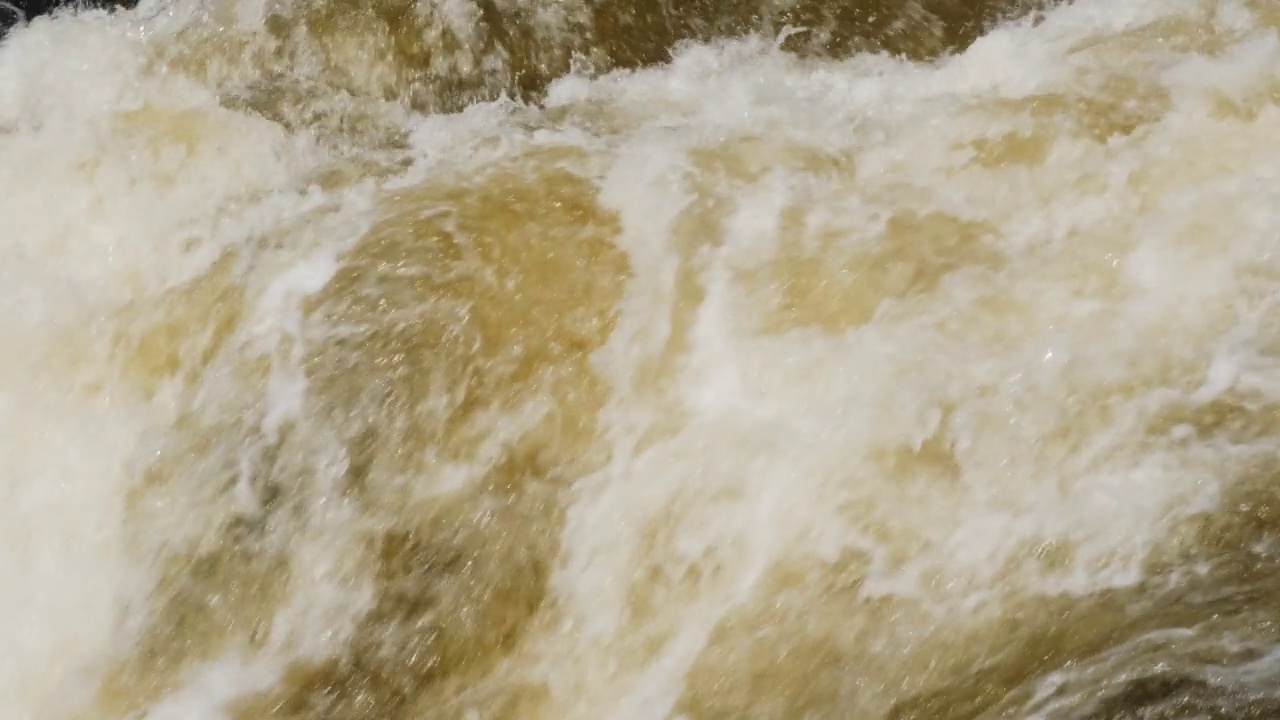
(13,12)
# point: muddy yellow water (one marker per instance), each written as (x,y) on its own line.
(525,360)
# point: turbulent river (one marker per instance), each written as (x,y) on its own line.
(641,360)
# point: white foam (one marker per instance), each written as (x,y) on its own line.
(97,206)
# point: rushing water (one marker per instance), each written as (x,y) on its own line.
(534,360)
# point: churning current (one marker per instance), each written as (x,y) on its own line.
(634,360)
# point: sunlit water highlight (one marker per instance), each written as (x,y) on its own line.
(450,360)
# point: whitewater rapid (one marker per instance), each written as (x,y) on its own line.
(391,361)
